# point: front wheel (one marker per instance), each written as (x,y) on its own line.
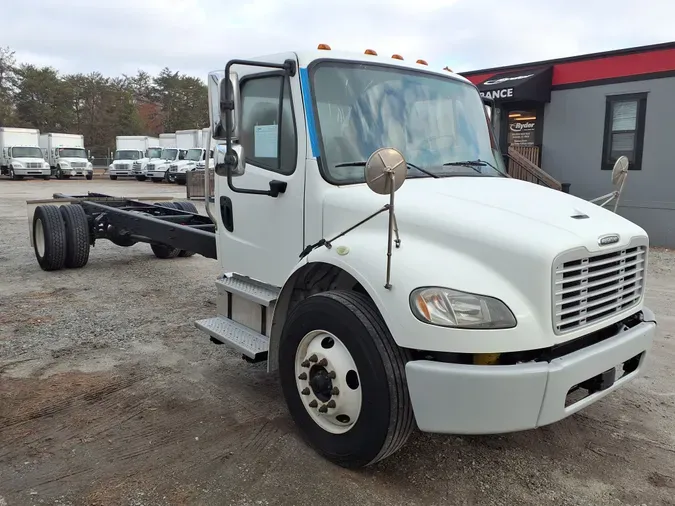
(89,177)
(141,178)
(113,178)
(343,378)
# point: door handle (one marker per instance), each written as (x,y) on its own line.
(226,213)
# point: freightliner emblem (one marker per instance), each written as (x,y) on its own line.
(606,240)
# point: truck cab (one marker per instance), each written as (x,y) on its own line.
(20,161)
(375,252)
(70,161)
(157,169)
(140,166)
(195,159)
(123,161)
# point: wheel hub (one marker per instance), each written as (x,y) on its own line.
(325,372)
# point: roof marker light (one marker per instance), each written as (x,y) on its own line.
(447,68)
(370,51)
(324,47)
(422,62)
(397,56)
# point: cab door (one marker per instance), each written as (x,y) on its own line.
(258,235)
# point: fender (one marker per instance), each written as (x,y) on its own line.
(361,255)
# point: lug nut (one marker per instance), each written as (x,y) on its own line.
(323,409)
(313,404)
(335,391)
(313,358)
(323,362)
(305,363)
(331,375)
(331,403)
(303,376)
(305,391)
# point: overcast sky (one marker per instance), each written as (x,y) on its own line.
(196,36)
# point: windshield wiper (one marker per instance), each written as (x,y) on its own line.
(363,164)
(471,163)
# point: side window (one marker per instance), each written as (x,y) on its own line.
(624,130)
(260,136)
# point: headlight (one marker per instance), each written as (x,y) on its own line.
(18,165)
(451,308)
(110,167)
(89,165)
(64,164)
(45,165)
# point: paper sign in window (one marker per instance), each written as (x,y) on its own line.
(266,139)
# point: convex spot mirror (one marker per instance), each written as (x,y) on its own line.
(386,166)
(620,170)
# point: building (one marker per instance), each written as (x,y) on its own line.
(573,117)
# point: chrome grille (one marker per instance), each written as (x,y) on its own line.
(173,168)
(122,166)
(137,166)
(79,165)
(591,288)
(150,166)
(33,165)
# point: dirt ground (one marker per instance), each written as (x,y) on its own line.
(110,396)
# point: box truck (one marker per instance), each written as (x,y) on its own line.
(185,139)
(153,150)
(66,155)
(194,160)
(129,149)
(20,153)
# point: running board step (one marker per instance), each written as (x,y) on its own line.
(248,289)
(241,338)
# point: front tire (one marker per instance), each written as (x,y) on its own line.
(342,332)
(141,178)
(156,179)
(13,176)
(89,177)
(49,238)
(113,178)
(163,251)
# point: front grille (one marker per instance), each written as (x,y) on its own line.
(137,166)
(592,288)
(151,166)
(173,168)
(34,165)
(122,166)
(79,165)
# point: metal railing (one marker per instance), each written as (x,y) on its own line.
(520,166)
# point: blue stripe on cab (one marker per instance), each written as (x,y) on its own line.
(309,111)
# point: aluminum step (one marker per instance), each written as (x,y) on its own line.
(249,289)
(241,338)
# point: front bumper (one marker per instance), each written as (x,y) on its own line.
(181,177)
(156,174)
(493,399)
(32,172)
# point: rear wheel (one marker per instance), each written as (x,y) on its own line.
(49,238)
(77,235)
(163,251)
(190,208)
(343,378)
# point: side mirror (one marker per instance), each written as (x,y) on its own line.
(220,105)
(489,105)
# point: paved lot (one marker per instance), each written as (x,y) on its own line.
(109,395)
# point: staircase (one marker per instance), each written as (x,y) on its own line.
(522,164)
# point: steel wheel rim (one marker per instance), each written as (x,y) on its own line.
(39,237)
(328,382)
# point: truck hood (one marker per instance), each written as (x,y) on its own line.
(487,211)
(73,160)
(28,160)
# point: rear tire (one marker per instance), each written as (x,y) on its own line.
(49,238)
(190,208)
(113,178)
(163,251)
(77,235)
(384,419)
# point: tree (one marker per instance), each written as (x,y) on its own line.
(8,80)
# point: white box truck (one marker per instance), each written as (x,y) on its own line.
(139,167)
(195,159)
(128,149)
(66,155)
(390,272)
(156,167)
(185,139)
(20,153)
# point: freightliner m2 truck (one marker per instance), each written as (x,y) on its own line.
(20,154)
(376,254)
(66,155)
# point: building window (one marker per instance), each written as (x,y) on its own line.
(624,130)
(259,124)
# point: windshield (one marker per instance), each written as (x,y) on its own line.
(21,152)
(153,152)
(169,154)
(72,153)
(124,154)
(432,120)
(194,155)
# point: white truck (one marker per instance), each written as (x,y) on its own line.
(20,154)
(185,139)
(375,253)
(66,155)
(129,149)
(154,150)
(195,159)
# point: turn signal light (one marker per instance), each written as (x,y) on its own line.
(370,51)
(397,56)
(325,47)
(422,62)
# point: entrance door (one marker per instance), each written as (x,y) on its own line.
(261,236)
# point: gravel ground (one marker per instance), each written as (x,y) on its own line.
(109,395)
